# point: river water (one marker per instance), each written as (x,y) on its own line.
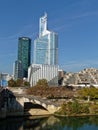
(50,123)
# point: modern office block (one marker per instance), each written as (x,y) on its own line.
(24,54)
(46,45)
(42,71)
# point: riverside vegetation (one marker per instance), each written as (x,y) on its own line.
(78,109)
(85,103)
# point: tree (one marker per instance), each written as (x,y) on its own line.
(11,83)
(26,83)
(19,82)
(42,83)
(88,93)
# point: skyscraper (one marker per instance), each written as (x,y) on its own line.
(17,70)
(46,45)
(45,64)
(24,54)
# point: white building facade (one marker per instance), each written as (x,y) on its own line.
(42,71)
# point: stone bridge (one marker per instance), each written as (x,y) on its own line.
(12,104)
(47,104)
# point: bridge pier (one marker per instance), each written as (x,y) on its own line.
(52,108)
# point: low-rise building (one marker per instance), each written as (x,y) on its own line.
(42,71)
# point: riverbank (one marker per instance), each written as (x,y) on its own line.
(76,108)
(79,115)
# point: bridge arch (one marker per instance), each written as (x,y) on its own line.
(34,109)
(51,108)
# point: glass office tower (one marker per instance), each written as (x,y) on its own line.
(45,64)
(24,54)
(17,70)
(46,45)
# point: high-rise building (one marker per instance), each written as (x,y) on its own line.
(45,64)
(24,54)
(46,45)
(17,70)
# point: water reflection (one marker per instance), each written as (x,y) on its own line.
(50,123)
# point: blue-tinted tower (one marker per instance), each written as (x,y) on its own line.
(46,45)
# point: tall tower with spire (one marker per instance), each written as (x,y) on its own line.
(43,25)
(46,45)
(45,64)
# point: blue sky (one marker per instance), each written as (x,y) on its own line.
(75,21)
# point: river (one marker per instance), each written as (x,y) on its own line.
(50,123)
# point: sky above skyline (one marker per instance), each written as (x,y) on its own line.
(75,21)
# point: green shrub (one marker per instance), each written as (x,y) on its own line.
(74,108)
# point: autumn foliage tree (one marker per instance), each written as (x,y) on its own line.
(42,83)
(11,83)
(18,83)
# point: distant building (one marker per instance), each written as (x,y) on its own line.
(45,62)
(61,74)
(4,78)
(42,71)
(18,74)
(46,45)
(87,77)
(24,56)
